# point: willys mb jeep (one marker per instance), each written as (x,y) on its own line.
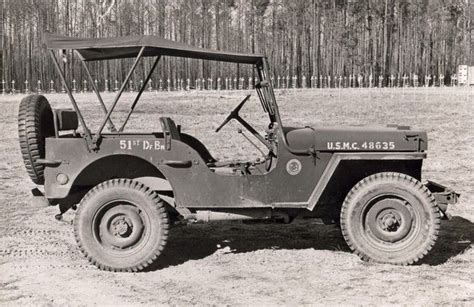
(132,187)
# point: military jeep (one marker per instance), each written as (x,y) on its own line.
(131,188)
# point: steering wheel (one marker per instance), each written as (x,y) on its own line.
(234,113)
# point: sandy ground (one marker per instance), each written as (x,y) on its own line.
(235,263)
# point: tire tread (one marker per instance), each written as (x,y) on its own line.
(30,136)
(159,206)
(392,176)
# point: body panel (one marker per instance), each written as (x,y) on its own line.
(356,139)
(195,185)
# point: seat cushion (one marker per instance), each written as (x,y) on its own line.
(66,119)
(169,126)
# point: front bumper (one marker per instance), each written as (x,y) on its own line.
(444,197)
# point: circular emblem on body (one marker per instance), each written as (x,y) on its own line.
(293,167)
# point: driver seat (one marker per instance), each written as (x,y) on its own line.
(169,128)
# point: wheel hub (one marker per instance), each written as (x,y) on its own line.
(389,220)
(121,227)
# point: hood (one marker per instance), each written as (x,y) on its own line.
(391,138)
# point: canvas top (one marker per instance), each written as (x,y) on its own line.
(91,49)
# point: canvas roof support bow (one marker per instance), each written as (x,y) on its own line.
(94,49)
(97,135)
(93,141)
(140,93)
(99,97)
(87,132)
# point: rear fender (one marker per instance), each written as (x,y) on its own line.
(110,167)
(161,186)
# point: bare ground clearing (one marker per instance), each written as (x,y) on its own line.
(234,263)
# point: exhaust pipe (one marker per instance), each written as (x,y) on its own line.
(205,216)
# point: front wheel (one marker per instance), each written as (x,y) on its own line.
(390,218)
(121,225)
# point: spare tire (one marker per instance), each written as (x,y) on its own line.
(35,123)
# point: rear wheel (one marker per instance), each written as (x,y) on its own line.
(390,218)
(121,225)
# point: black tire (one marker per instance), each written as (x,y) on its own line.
(35,123)
(390,218)
(121,225)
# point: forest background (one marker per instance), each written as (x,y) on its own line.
(305,37)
